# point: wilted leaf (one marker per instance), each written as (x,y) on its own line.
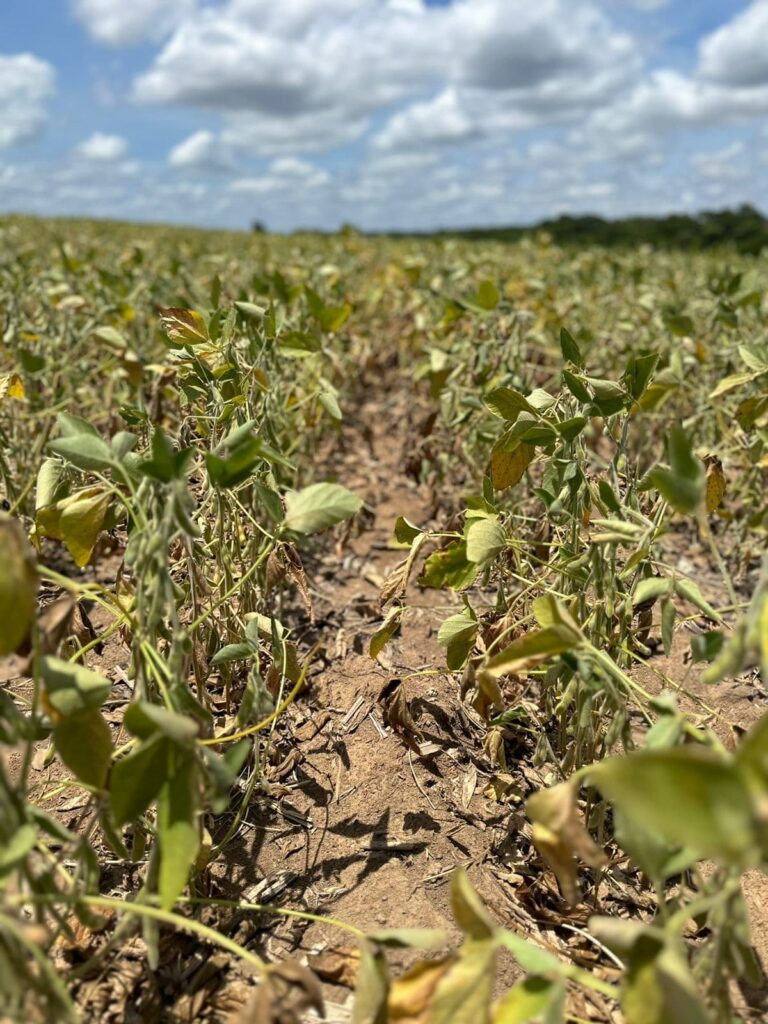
(385,632)
(77,520)
(339,965)
(507,467)
(184,326)
(560,836)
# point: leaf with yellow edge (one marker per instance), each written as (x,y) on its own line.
(184,326)
(411,994)
(18,584)
(463,995)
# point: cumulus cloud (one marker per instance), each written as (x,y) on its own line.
(202,151)
(311,76)
(737,53)
(26,82)
(126,22)
(101,147)
(286,174)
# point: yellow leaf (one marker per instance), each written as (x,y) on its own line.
(12,386)
(508,467)
(715,484)
(77,520)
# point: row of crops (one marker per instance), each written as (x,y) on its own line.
(593,418)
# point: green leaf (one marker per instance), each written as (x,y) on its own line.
(707,646)
(71,688)
(74,426)
(457,634)
(319,506)
(570,429)
(638,373)
(533,959)
(651,589)
(679,324)
(686,795)
(143,719)
(468,909)
(569,348)
(51,484)
(83,741)
(449,567)
(531,999)
(487,295)
(372,987)
(485,539)
(683,484)
(18,584)
(177,827)
(689,591)
(85,451)
(232,652)
(405,532)
(507,403)
(576,386)
(167,463)
(330,403)
(135,780)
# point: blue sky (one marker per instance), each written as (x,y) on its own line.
(385,113)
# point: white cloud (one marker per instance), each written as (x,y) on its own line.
(737,53)
(440,121)
(102,147)
(26,82)
(126,22)
(286,174)
(201,151)
(301,75)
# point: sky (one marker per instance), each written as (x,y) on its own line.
(387,114)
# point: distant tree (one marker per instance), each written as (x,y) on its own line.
(258,227)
